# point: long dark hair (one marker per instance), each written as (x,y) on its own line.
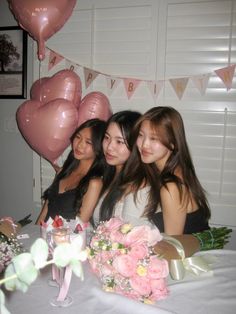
(97,168)
(168,123)
(125,120)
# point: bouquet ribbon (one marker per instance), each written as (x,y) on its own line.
(193,264)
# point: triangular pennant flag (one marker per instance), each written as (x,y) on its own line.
(179,85)
(155,87)
(112,84)
(54,59)
(201,82)
(130,86)
(72,66)
(226,75)
(89,76)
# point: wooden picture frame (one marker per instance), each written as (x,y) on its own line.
(13,62)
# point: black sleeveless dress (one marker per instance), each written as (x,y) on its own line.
(195,222)
(61,203)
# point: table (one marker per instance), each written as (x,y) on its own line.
(211,293)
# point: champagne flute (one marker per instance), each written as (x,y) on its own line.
(57,237)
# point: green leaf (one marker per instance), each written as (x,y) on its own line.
(77,269)
(25,268)
(39,253)
(62,255)
(14,283)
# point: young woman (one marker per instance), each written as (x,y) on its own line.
(175,188)
(76,188)
(117,144)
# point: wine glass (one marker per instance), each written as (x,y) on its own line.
(58,236)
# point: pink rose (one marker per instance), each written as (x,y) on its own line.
(138,234)
(154,236)
(141,285)
(125,265)
(159,289)
(113,223)
(116,236)
(157,268)
(107,270)
(138,251)
(144,233)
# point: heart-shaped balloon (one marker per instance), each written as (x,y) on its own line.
(47,128)
(41,18)
(64,84)
(94,105)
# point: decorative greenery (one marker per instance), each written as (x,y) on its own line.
(214,238)
(25,267)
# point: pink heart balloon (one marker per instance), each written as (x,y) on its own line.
(47,128)
(64,84)
(41,18)
(94,105)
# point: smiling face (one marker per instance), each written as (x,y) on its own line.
(150,147)
(82,145)
(114,146)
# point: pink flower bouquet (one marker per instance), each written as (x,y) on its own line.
(122,257)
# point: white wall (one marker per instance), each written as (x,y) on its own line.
(16,158)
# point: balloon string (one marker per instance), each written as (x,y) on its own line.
(40,69)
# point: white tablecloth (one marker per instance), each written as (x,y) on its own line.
(212,293)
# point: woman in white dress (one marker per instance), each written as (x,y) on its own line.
(117,144)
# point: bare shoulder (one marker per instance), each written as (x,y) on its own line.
(95,183)
(169,189)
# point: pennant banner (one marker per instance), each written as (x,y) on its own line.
(54,59)
(89,76)
(112,84)
(179,85)
(226,75)
(201,82)
(155,88)
(130,86)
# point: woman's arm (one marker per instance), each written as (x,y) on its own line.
(190,244)
(174,211)
(90,199)
(43,213)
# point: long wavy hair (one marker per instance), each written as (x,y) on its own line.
(97,168)
(125,120)
(168,124)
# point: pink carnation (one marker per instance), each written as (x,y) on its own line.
(125,265)
(157,268)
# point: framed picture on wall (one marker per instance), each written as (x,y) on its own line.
(13,62)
